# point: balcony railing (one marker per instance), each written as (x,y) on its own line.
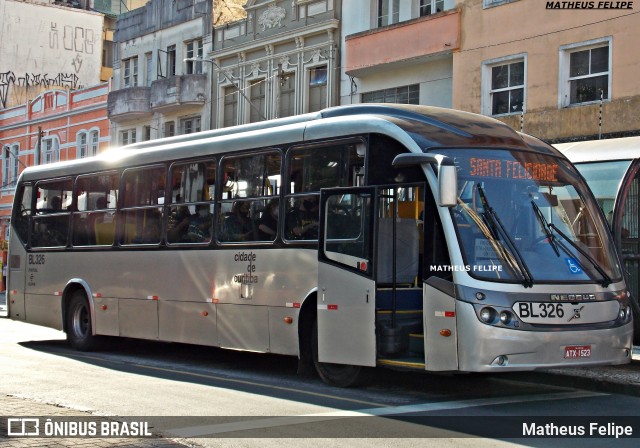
(428,36)
(178,90)
(128,102)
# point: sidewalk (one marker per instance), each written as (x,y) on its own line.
(20,407)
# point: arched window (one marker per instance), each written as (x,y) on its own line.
(94,139)
(50,150)
(82,145)
(5,166)
(87,143)
(10,164)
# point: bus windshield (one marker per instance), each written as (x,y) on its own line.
(529,218)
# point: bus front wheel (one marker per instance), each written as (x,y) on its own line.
(340,375)
(79,329)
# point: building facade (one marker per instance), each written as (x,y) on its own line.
(281,60)
(160,84)
(45,45)
(398,51)
(56,125)
(558,74)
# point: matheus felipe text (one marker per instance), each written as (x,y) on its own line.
(589,5)
(593,429)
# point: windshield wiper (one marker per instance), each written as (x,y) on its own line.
(545,227)
(491,216)
(606,280)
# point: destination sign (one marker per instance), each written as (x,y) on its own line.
(511,169)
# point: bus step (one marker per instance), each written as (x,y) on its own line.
(399,313)
(416,344)
(403,363)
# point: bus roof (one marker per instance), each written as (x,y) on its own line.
(417,127)
(625,148)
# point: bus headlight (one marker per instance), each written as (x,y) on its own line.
(487,315)
(505,317)
(625,313)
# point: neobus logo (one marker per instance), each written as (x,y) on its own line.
(572,297)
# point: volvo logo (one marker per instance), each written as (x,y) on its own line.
(572,297)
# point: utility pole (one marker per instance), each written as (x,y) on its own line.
(38,146)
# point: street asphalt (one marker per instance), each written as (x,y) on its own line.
(623,379)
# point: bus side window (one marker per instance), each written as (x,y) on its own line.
(336,165)
(190,208)
(94,221)
(51,223)
(144,191)
(310,168)
(250,183)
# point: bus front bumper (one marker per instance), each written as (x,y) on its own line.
(486,348)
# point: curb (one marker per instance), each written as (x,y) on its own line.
(623,379)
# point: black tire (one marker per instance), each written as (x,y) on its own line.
(79,330)
(339,375)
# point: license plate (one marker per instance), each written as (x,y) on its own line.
(566,313)
(543,312)
(577,351)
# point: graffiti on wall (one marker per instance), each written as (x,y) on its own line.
(9,79)
(74,38)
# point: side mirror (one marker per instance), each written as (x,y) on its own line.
(447,186)
(447,174)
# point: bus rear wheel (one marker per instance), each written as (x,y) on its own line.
(339,375)
(79,329)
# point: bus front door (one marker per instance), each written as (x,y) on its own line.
(626,227)
(346,285)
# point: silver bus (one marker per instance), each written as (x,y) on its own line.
(611,167)
(369,235)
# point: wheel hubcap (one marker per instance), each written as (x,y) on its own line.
(80,320)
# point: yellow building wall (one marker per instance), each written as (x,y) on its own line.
(526,26)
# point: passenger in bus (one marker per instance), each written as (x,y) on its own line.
(237,226)
(199,229)
(178,224)
(51,231)
(56,204)
(302,221)
(151,220)
(268,223)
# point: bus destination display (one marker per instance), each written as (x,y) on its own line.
(511,169)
